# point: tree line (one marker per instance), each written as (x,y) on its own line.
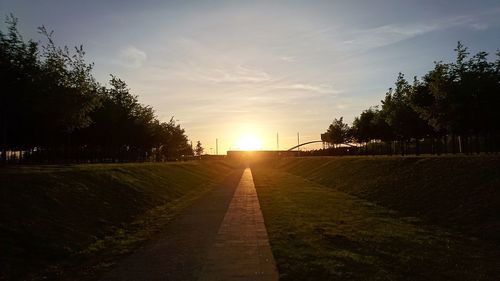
(52,109)
(454,108)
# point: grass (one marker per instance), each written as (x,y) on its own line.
(328,218)
(58,220)
(461,193)
(322,233)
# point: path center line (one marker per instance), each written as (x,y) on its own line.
(241,250)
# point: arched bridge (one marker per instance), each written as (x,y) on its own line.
(309,142)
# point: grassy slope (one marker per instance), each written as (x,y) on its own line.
(462,193)
(76,214)
(320,233)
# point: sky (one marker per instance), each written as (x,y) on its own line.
(224,69)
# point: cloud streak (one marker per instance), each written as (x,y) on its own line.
(395,32)
(237,74)
(131,57)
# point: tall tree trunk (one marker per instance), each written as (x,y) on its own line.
(445,142)
(438,142)
(478,144)
(417,146)
(453,144)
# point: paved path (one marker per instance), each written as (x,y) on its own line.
(178,253)
(241,250)
(221,237)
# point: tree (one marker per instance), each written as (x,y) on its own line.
(177,142)
(400,115)
(363,127)
(458,99)
(51,106)
(49,91)
(19,66)
(338,132)
(199,149)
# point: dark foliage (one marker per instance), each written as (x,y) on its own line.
(53,110)
(453,108)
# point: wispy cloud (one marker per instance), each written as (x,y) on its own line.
(385,35)
(237,74)
(392,33)
(479,26)
(288,59)
(306,87)
(131,57)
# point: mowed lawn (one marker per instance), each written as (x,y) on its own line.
(320,233)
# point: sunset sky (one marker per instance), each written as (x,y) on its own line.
(230,68)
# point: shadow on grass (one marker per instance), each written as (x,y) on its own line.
(318,233)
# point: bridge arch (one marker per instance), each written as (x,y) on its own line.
(309,142)
(305,143)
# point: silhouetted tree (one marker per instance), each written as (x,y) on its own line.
(339,132)
(400,115)
(457,100)
(199,148)
(51,107)
(363,127)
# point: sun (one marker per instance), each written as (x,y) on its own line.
(249,142)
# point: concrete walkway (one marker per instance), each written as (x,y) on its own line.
(241,250)
(221,237)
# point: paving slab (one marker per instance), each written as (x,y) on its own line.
(241,250)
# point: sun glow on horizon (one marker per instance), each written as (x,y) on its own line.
(249,142)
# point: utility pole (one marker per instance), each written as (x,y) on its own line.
(298,143)
(277,142)
(216,146)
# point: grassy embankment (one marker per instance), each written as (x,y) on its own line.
(54,218)
(382,218)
